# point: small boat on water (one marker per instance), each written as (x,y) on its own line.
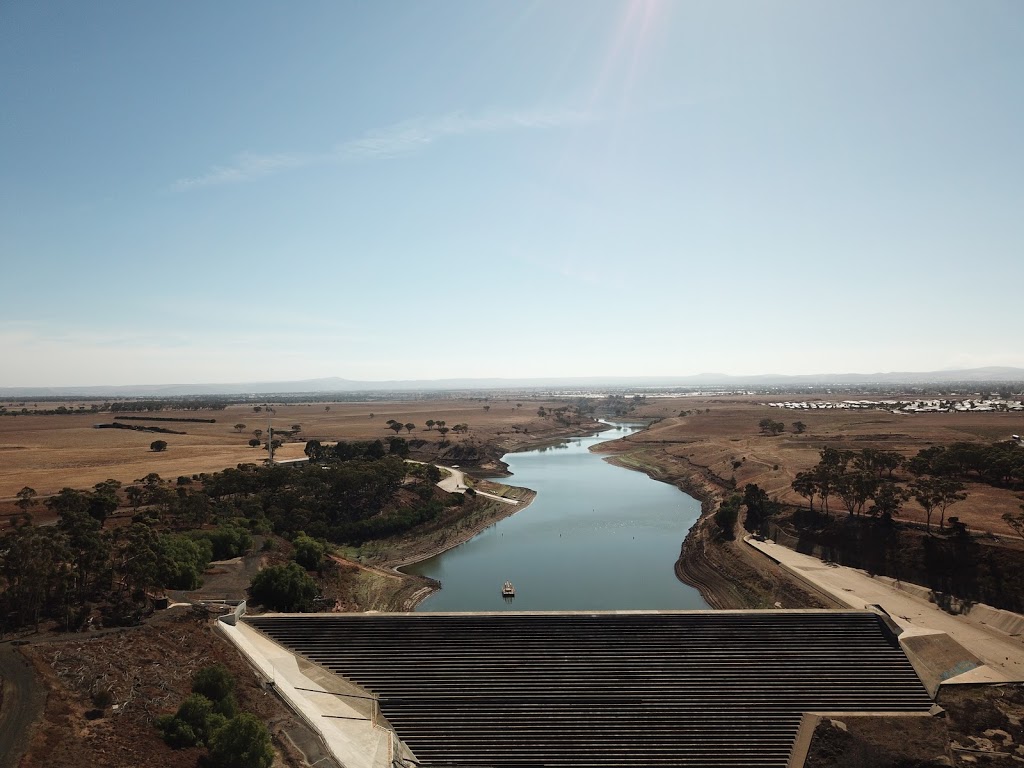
(508,590)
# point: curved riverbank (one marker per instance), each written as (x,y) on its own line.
(384,561)
(600,539)
(724,572)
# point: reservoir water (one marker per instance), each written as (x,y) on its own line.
(597,537)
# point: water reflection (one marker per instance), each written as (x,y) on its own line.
(597,537)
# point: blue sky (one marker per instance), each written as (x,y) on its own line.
(239,191)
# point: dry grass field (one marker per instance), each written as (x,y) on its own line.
(729,433)
(48,453)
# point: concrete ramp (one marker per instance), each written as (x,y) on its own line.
(937,658)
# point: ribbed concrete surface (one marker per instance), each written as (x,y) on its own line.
(608,689)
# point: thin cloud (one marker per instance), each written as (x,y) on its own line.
(394,141)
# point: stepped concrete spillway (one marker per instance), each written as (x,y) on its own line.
(694,688)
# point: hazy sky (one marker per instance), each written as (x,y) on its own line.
(237,191)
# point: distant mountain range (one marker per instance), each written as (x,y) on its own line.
(334,384)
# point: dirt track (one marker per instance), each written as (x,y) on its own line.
(23,699)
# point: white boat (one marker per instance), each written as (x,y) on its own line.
(508,590)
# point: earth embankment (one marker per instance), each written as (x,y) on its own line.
(726,575)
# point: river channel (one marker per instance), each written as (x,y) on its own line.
(597,537)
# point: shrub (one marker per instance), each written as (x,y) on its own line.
(285,588)
(214,682)
(194,724)
(309,553)
(243,742)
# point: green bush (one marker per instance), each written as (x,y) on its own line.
(214,682)
(309,553)
(243,742)
(227,541)
(194,724)
(286,588)
(181,561)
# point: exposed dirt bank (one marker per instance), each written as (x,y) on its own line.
(374,567)
(382,585)
(724,572)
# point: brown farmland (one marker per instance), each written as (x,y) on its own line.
(729,433)
(50,452)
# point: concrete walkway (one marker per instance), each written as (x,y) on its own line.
(1000,651)
(331,707)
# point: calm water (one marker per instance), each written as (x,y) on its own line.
(597,537)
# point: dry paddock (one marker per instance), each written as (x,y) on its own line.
(48,453)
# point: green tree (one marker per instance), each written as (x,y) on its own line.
(136,555)
(287,588)
(214,682)
(926,493)
(26,499)
(1015,521)
(103,500)
(759,507)
(888,500)
(430,424)
(799,427)
(805,484)
(254,443)
(950,492)
(239,427)
(309,553)
(410,427)
(398,446)
(855,489)
(158,445)
(196,712)
(135,496)
(244,742)
(182,560)
(726,516)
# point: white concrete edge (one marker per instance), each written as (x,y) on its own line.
(295,699)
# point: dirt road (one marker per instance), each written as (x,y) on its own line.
(21,705)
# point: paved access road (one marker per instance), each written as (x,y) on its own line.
(1003,654)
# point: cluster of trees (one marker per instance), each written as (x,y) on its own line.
(372,450)
(62,572)
(172,404)
(285,588)
(350,495)
(999,464)
(209,718)
(859,477)
(726,516)
(771,427)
